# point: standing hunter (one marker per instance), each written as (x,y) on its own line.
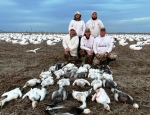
(94,24)
(79,26)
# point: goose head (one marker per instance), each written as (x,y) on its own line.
(34,104)
(107,107)
(86,111)
(135,105)
(2,103)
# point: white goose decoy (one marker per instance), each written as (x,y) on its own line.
(123,42)
(50,42)
(81,96)
(33,96)
(23,42)
(81,82)
(13,94)
(101,97)
(135,47)
(96,84)
(124,98)
(32,82)
(34,51)
(63,82)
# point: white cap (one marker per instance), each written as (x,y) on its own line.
(72,28)
(77,12)
(94,12)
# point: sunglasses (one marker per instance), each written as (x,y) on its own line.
(102,30)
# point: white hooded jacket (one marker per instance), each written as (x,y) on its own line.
(72,43)
(94,26)
(78,25)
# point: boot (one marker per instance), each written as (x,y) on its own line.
(73,59)
(89,59)
(66,57)
(83,60)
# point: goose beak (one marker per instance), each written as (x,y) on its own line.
(136,106)
(108,108)
(34,104)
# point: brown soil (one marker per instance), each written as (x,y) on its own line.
(131,71)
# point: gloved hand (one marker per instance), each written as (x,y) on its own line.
(99,56)
(106,54)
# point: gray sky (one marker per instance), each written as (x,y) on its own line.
(55,15)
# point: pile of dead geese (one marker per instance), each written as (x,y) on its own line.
(101,77)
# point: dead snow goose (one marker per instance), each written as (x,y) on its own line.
(58,96)
(48,81)
(80,75)
(81,96)
(81,82)
(42,93)
(33,96)
(59,73)
(82,69)
(59,65)
(109,84)
(106,69)
(63,82)
(124,98)
(95,75)
(66,110)
(97,83)
(13,94)
(107,76)
(32,82)
(101,97)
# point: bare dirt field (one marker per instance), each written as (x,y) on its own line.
(131,71)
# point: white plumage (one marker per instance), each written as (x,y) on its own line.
(47,81)
(59,73)
(63,82)
(81,96)
(101,97)
(13,94)
(32,82)
(96,84)
(82,69)
(107,76)
(34,95)
(81,82)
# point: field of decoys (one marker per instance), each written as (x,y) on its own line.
(35,81)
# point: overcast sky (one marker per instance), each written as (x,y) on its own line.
(55,15)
